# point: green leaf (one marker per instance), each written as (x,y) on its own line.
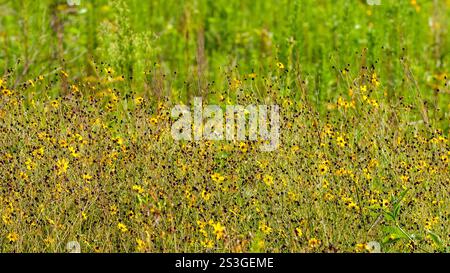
(389,216)
(396,211)
(394,234)
(436,239)
(402,195)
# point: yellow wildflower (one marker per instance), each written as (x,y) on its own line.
(61,166)
(218,230)
(12,237)
(313,243)
(268,180)
(122,227)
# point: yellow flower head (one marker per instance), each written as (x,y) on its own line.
(61,166)
(360,247)
(313,243)
(340,141)
(140,245)
(217,177)
(265,228)
(243,147)
(122,227)
(38,152)
(87,177)
(235,83)
(323,169)
(12,237)
(138,189)
(218,230)
(54,103)
(252,76)
(298,232)
(268,180)
(280,65)
(154,120)
(138,100)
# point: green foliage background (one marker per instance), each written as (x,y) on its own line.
(202,39)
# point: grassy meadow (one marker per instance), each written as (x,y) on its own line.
(87,155)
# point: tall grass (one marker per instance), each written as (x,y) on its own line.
(86,153)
